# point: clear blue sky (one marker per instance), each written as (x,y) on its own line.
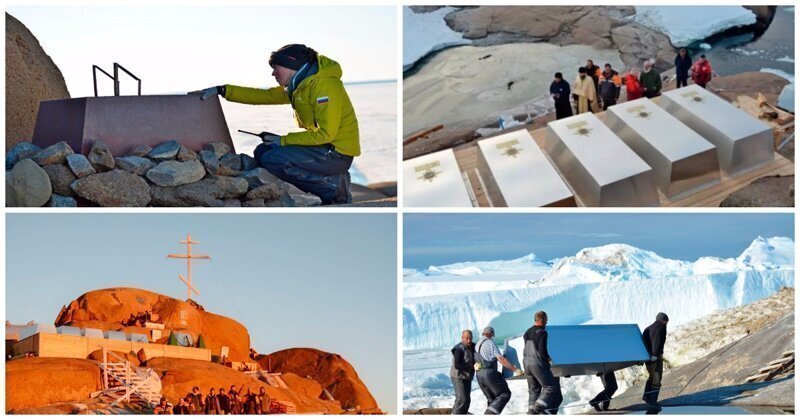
(326,281)
(182,48)
(436,239)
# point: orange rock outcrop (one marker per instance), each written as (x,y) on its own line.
(112,309)
(330,370)
(37,382)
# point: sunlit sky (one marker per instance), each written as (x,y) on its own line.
(437,239)
(182,48)
(326,281)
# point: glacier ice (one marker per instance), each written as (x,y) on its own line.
(686,24)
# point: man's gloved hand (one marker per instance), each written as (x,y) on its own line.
(653,358)
(519,372)
(209,92)
(270,138)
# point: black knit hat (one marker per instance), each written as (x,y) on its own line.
(292,56)
(662,317)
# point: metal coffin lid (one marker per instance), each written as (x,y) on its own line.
(123,122)
(681,159)
(521,171)
(36,329)
(719,113)
(589,349)
(434,180)
(598,149)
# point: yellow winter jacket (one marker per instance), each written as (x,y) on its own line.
(321,106)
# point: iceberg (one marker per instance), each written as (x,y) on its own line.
(687,24)
(424,33)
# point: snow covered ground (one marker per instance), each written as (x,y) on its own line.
(424,33)
(686,24)
(610,284)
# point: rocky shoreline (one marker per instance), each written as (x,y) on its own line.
(168,175)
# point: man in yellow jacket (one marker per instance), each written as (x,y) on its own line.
(317,159)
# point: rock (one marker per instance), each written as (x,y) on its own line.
(78,408)
(27,185)
(330,370)
(36,382)
(61,201)
(129,356)
(388,188)
(100,157)
(178,376)
(103,309)
(773,191)
(303,199)
(31,77)
(141,150)
(21,150)
(248,162)
(210,161)
(260,176)
(233,203)
(226,171)
(56,153)
(637,43)
(135,164)
(115,188)
(266,192)
(173,173)
(231,161)
(80,165)
(165,151)
(61,178)
(257,202)
(185,154)
(207,193)
(286,200)
(220,149)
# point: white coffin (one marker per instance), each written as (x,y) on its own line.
(599,167)
(434,180)
(743,142)
(519,174)
(681,159)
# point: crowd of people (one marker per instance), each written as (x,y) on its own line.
(544,389)
(218,402)
(595,88)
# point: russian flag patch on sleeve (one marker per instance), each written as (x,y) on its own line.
(322,100)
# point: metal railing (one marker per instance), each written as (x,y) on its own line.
(115,78)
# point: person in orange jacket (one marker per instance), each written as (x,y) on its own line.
(632,87)
(701,71)
(609,87)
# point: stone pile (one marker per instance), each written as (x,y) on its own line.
(168,175)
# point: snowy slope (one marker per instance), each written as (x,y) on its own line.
(687,24)
(524,265)
(424,33)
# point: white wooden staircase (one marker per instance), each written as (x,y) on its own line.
(124,382)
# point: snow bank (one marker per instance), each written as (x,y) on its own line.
(424,33)
(524,265)
(686,24)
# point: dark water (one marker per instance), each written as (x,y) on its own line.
(746,52)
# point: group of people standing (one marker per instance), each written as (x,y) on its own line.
(231,402)
(596,89)
(544,389)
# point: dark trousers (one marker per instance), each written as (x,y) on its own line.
(607,102)
(462,388)
(609,388)
(563,108)
(682,80)
(495,389)
(544,389)
(319,170)
(652,94)
(653,385)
